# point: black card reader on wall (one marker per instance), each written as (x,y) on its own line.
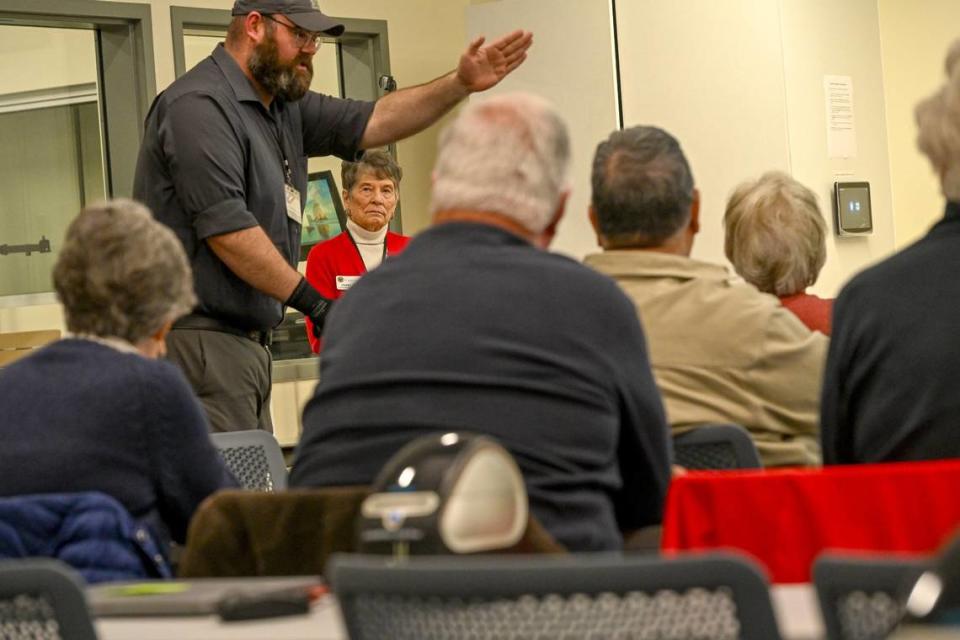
(852,205)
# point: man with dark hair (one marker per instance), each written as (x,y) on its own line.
(224,164)
(720,351)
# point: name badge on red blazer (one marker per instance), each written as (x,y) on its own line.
(345,282)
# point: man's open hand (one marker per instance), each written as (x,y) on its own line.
(481,67)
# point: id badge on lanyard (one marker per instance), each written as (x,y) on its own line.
(292,198)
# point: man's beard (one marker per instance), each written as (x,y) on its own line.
(281,80)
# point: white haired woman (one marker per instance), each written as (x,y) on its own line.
(776,241)
(97,411)
(371,192)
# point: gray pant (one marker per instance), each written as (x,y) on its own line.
(230,374)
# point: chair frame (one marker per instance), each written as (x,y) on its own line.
(60,583)
(745,451)
(835,575)
(256,438)
(493,577)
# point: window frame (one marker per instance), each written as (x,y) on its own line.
(126,82)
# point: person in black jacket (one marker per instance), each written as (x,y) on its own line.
(890,388)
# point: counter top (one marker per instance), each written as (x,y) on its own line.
(296,369)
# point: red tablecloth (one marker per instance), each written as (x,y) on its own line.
(785,518)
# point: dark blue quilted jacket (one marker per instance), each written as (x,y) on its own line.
(90,531)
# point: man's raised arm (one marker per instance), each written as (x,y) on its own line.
(411,110)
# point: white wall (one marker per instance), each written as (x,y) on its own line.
(825,37)
(32,58)
(571,64)
(915,37)
(718,89)
(738,82)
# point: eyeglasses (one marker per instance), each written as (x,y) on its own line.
(300,37)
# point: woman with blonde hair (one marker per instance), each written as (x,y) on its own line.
(776,241)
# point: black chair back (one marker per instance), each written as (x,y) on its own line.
(863,598)
(254,457)
(720,597)
(716,446)
(42,599)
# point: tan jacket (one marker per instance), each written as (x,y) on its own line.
(722,351)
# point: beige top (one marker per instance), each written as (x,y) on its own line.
(722,351)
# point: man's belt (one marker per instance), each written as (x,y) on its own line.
(206,323)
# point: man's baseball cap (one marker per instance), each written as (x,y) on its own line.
(305,14)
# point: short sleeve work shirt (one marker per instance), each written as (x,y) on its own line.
(212,162)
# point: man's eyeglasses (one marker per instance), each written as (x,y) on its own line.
(300,37)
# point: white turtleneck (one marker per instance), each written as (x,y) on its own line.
(370,243)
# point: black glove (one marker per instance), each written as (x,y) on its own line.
(311,304)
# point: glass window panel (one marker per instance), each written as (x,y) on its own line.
(326,79)
(198,47)
(51,147)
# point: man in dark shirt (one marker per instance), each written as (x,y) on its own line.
(224,164)
(492,334)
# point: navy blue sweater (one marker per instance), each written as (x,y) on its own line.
(82,416)
(472,328)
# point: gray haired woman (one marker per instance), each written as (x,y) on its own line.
(97,411)
(776,241)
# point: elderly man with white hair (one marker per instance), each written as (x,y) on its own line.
(492,334)
(890,388)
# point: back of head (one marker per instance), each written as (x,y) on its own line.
(775,234)
(120,273)
(506,155)
(642,187)
(938,119)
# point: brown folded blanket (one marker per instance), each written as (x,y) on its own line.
(244,533)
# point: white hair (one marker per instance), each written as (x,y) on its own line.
(507,155)
(938,119)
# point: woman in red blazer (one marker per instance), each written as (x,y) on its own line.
(371,190)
